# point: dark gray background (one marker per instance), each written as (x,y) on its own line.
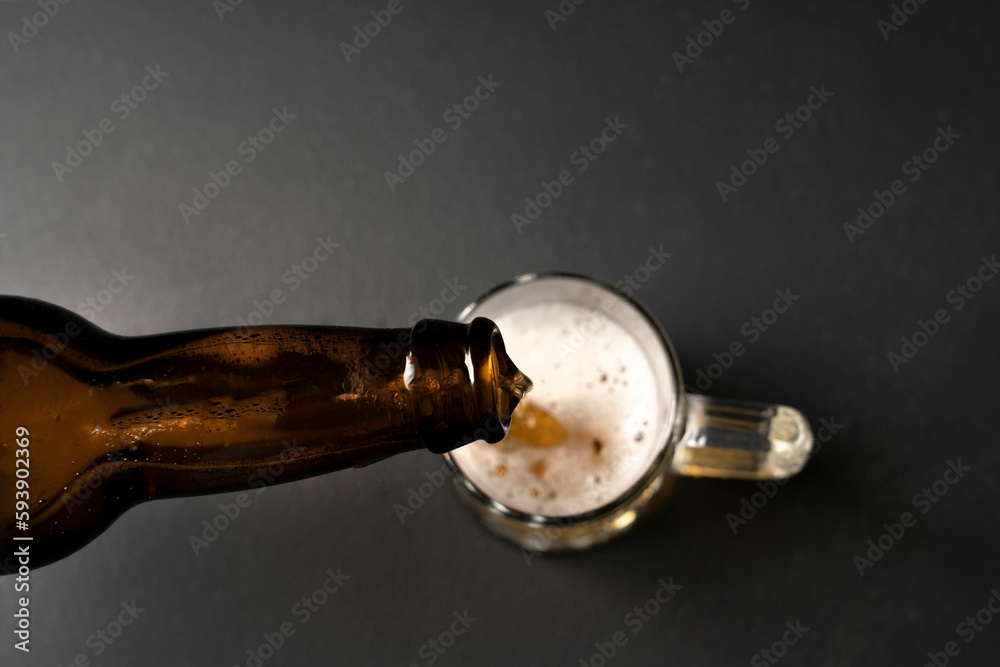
(451,220)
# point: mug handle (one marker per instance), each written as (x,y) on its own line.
(741,440)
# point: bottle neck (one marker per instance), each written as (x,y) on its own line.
(216,410)
(462,372)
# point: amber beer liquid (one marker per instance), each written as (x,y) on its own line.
(92,423)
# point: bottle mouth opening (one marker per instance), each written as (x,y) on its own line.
(500,384)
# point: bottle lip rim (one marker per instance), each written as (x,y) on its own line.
(482,336)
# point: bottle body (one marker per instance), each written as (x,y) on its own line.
(112,421)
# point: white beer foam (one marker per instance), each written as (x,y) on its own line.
(590,374)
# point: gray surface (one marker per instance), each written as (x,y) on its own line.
(324,175)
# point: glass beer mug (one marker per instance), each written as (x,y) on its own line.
(608,426)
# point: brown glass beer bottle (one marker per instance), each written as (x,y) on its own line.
(92,423)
